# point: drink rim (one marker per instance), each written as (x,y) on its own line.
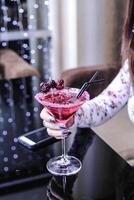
(57,105)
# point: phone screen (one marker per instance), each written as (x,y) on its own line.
(36,138)
(38,135)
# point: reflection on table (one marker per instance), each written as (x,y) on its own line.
(104,175)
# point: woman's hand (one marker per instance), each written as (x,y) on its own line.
(54,127)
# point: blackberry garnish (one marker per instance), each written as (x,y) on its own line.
(41,84)
(60,84)
(45,87)
(53,84)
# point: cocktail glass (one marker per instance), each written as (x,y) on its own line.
(63,104)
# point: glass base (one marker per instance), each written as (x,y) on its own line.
(59,166)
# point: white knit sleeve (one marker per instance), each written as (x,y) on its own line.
(100,109)
(131,109)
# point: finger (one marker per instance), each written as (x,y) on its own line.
(58,134)
(51,125)
(55,133)
(46,115)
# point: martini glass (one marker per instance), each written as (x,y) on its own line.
(63,104)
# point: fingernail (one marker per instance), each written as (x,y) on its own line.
(62,126)
(51,120)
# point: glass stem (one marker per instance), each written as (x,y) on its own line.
(64,149)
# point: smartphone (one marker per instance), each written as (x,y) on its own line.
(36,139)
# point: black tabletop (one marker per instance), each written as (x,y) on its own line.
(23,173)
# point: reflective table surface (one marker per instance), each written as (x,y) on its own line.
(23,174)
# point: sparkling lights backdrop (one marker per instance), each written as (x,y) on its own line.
(24,27)
(18,115)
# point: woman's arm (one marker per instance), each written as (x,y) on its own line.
(131,109)
(100,109)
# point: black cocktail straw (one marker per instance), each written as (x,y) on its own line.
(86,85)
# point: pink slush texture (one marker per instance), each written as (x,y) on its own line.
(62,111)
